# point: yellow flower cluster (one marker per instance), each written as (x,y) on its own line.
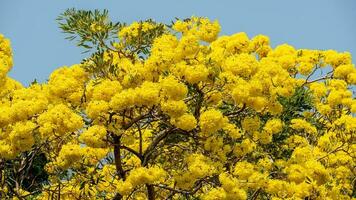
(229,190)
(94,137)
(17,139)
(104,90)
(245,147)
(199,166)
(96,109)
(141,175)
(202,27)
(271,127)
(199,116)
(19,106)
(132,31)
(186,122)
(58,120)
(66,84)
(69,155)
(172,89)
(346,72)
(174,108)
(145,95)
(98,96)
(5,60)
(25,103)
(302,125)
(211,121)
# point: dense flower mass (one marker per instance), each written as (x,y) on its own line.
(198,116)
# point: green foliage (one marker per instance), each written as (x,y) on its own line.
(295,105)
(141,44)
(28,170)
(90,28)
(94,31)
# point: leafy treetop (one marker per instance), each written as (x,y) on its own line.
(178,112)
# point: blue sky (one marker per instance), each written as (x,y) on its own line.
(39,46)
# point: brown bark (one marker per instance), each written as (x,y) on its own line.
(150,192)
(117,156)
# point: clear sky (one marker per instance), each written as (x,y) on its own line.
(39,46)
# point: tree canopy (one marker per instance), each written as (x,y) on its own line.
(177,111)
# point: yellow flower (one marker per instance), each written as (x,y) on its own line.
(67,83)
(95,109)
(251,124)
(196,74)
(58,120)
(186,122)
(302,125)
(174,108)
(104,90)
(238,43)
(244,65)
(211,121)
(95,136)
(273,126)
(336,59)
(69,155)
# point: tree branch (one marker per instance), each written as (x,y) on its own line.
(117,156)
(155,142)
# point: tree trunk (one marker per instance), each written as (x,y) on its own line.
(118,163)
(150,192)
(117,156)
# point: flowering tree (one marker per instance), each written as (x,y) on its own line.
(176,112)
